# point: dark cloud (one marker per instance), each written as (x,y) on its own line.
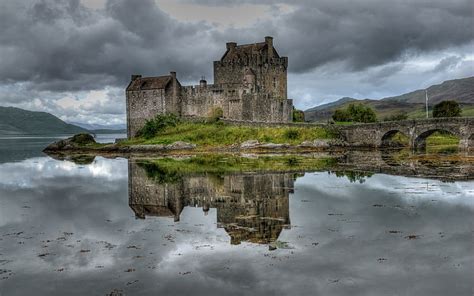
(370,33)
(62,45)
(52,49)
(65,46)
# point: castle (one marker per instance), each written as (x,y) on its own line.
(250,84)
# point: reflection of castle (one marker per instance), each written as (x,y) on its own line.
(250,207)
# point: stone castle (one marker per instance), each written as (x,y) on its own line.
(250,84)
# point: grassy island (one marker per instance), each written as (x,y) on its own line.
(220,134)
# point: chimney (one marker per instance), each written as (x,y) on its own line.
(203,82)
(174,84)
(231,45)
(135,77)
(269,42)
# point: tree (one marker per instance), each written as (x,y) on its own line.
(298,115)
(356,113)
(396,117)
(341,115)
(447,109)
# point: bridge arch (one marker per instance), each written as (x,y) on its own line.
(387,139)
(419,141)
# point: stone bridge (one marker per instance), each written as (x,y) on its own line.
(379,134)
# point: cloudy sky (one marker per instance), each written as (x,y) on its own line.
(74,58)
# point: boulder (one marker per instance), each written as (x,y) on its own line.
(180,145)
(74,142)
(249,144)
(321,144)
(306,144)
(273,146)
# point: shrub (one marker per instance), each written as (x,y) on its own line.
(341,115)
(447,109)
(157,124)
(356,113)
(298,115)
(215,114)
(292,134)
(396,117)
(83,139)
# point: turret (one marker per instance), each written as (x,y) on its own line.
(135,77)
(202,82)
(231,46)
(269,42)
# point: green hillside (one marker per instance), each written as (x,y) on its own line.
(413,103)
(15,121)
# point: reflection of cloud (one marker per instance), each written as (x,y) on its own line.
(333,254)
(41,168)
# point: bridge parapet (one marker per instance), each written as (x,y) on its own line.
(373,134)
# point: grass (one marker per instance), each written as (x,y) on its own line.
(165,170)
(219,134)
(467,111)
(440,142)
(442,139)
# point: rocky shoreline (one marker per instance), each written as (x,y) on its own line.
(84,143)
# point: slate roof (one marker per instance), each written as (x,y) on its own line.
(246,50)
(148,83)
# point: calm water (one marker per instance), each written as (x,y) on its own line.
(108,227)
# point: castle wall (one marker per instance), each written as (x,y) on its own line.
(143,105)
(270,75)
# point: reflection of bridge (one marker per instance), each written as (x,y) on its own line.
(453,167)
(375,134)
(250,207)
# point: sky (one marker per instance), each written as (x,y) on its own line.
(74,58)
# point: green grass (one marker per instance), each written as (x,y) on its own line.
(442,143)
(442,139)
(166,170)
(467,111)
(219,134)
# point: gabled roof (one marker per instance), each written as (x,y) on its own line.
(247,50)
(147,83)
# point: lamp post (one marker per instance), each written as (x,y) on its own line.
(427,114)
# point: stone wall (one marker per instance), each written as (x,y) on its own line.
(373,134)
(145,104)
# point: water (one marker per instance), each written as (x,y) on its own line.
(120,226)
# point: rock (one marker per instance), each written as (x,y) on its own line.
(337,143)
(306,144)
(321,144)
(180,145)
(272,247)
(145,148)
(76,141)
(273,146)
(119,140)
(249,144)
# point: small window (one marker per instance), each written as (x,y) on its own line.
(274,82)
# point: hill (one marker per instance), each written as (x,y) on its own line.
(413,103)
(16,121)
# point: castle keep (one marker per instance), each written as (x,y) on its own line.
(250,84)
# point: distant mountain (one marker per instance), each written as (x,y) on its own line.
(15,121)
(332,104)
(90,126)
(413,103)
